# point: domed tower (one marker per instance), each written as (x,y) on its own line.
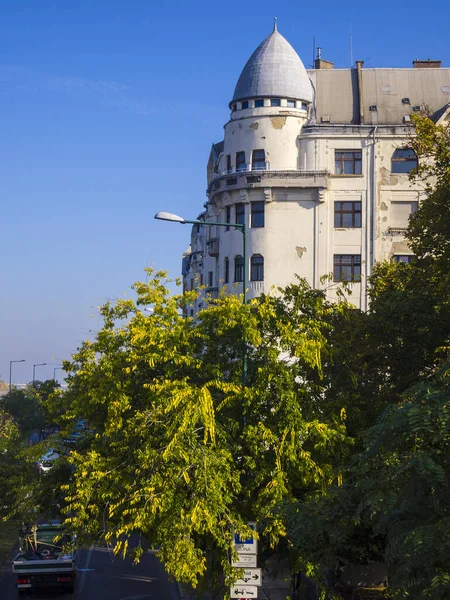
(257,176)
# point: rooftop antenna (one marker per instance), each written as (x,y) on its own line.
(275,27)
(351,44)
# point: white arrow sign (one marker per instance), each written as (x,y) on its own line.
(243,591)
(245,560)
(250,577)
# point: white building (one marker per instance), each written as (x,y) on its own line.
(315,163)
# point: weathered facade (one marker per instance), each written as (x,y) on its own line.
(316,164)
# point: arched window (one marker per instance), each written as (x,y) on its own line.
(404,160)
(226,270)
(257,268)
(258,160)
(239,268)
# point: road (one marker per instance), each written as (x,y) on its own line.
(101,576)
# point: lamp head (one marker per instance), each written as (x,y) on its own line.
(166,216)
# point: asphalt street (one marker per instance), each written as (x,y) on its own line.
(102,576)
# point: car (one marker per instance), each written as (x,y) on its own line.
(47,461)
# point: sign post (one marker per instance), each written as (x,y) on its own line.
(246,587)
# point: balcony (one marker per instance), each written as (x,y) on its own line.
(265,177)
(213,247)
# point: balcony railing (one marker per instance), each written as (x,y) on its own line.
(233,177)
(213,247)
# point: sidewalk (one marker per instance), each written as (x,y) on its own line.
(273,588)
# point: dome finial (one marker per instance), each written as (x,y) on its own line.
(275,28)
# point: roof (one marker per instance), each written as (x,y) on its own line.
(388,95)
(274,70)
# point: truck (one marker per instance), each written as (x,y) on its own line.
(46,558)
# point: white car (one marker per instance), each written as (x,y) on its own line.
(46,462)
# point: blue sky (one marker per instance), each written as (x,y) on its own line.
(108,112)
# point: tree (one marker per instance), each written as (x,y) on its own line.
(183,452)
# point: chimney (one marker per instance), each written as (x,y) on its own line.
(319,63)
(426,64)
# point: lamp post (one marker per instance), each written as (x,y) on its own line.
(34,369)
(166,216)
(10,370)
(54,372)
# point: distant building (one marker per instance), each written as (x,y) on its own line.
(316,164)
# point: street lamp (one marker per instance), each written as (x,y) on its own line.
(166,216)
(10,370)
(54,372)
(34,369)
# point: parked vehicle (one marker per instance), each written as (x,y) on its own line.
(46,462)
(46,559)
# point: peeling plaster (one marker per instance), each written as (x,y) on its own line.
(383,206)
(254,126)
(386,177)
(300,251)
(400,247)
(278,122)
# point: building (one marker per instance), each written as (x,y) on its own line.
(316,164)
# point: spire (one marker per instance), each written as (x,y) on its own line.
(275,28)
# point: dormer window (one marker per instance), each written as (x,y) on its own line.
(259,103)
(275,102)
(244,104)
(233,107)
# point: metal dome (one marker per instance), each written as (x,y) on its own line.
(274,70)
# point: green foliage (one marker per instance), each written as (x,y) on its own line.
(183,452)
(26,409)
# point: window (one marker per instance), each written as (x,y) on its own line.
(226,270)
(291,103)
(403,258)
(257,214)
(244,104)
(258,160)
(275,102)
(257,268)
(238,269)
(233,107)
(400,212)
(347,162)
(227,217)
(240,161)
(304,106)
(229,169)
(404,160)
(347,267)
(259,103)
(210,278)
(240,214)
(347,214)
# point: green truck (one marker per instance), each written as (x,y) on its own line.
(46,559)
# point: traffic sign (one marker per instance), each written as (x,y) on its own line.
(246,545)
(250,577)
(243,591)
(245,561)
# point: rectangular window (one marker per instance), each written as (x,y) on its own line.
(347,214)
(403,258)
(291,103)
(257,214)
(348,162)
(240,214)
(347,267)
(240,161)
(400,212)
(259,103)
(304,106)
(227,216)
(244,104)
(258,160)
(210,278)
(275,102)
(229,169)
(238,269)
(226,275)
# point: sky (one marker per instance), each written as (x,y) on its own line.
(108,109)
